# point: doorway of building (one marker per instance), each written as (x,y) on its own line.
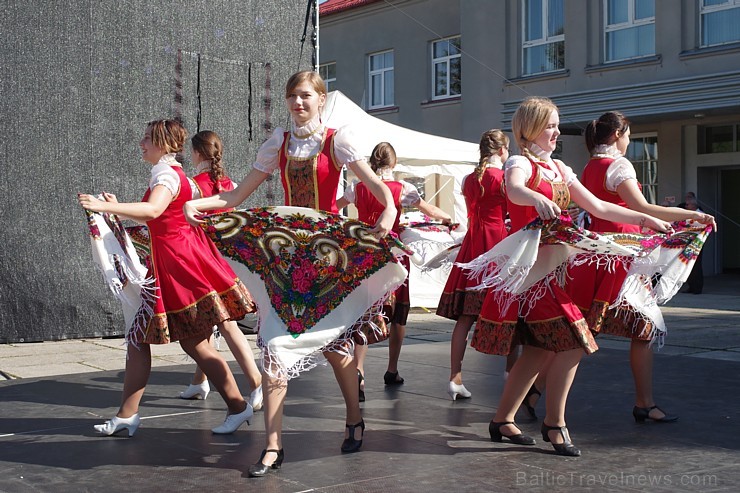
(728,220)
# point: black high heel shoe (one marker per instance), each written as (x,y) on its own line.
(643,413)
(494,429)
(392,378)
(566,448)
(526,403)
(259,469)
(360,379)
(349,444)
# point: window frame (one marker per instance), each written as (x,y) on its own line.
(382,73)
(329,81)
(649,189)
(546,40)
(629,24)
(704,9)
(446,60)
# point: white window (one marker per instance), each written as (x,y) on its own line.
(543,46)
(446,68)
(643,153)
(629,29)
(720,22)
(328,72)
(380,82)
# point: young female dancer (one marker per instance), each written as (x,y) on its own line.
(611,177)
(382,162)
(538,186)
(210,179)
(195,287)
(486,203)
(310,158)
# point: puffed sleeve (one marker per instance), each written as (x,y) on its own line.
(267,156)
(163,174)
(409,195)
(344,151)
(350,195)
(194,187)
(618,172)
(522,163)
(569,175)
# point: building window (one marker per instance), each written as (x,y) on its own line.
(720,22)
(446,68)
(544,36)
(328,72)
(380,80)
(718,138)
(629,29)
(643,153)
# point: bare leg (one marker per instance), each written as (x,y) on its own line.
(198,376)
(217,370)
(395,341)
(641,361)
(138,369)
(360,353)
(560,377)
(274,391)
(458,345)
(521,377)
(345,371)
(242,351)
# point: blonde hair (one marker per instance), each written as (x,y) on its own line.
(491,142)
(309,76)
(530,119)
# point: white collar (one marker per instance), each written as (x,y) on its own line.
(169,160)
(494,162)
(385,174)
(606,150)
(305,131)
(540,152)
(202,167)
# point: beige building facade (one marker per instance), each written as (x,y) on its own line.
(459,67)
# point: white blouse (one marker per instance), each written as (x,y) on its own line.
(619,170)
(409,194)
(305,142)
(163,174)
(553,175)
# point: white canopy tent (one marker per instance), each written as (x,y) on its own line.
(420,155)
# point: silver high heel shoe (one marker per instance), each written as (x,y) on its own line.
(116,424)
(199,391)
(255,398)
(234,421)
(455,391)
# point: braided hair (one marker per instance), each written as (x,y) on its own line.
(491,142)
(209,145)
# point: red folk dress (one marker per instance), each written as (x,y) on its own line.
(486,227)
(369,210)
(195,287)
(552,322)
(208,187)
(597,289)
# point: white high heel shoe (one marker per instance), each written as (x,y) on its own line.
(116,424)
(455,391)
(255,398)
(199,391)
(234,421)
